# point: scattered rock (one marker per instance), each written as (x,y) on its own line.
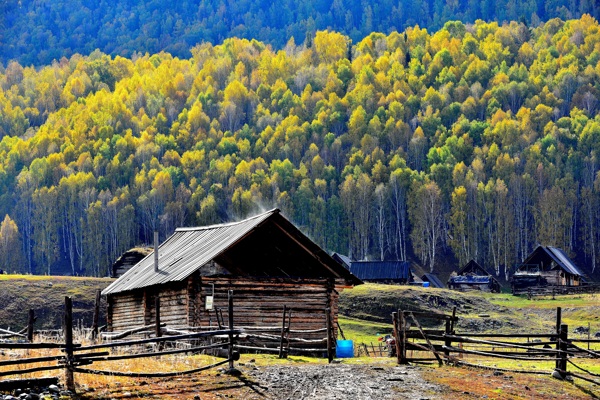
(581,330)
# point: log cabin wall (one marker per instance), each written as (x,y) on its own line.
(260,301)
(173,304)
(257,302)
(136,308)
(125,311)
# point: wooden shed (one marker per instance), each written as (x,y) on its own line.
(473,276)
(546,266)
(265,260)
(382,271)
(128,260)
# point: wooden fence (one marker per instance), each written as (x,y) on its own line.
(552,290)
(448,346)
(224,341)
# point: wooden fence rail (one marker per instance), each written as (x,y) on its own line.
(557,347)
(77,358)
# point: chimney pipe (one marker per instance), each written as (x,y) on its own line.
(155,251)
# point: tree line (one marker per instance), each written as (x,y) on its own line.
(477,141)
(38,32)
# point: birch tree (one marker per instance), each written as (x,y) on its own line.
(427,219)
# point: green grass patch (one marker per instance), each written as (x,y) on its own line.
(361,331)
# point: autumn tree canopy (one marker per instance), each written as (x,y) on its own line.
(476,141)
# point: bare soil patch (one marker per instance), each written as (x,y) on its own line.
(339,381)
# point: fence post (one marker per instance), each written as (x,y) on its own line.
(558,319)
(230,316)
(30,321)
(157,330)
(281,354)
(96,315)
(69,379)
(330,354)
(396,335)
(561,364)
(448,341)
(157,315)
(402,336)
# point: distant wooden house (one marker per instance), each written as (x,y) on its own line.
(265,260)
(128,260)
(546,266)
(473,276)
(382,271)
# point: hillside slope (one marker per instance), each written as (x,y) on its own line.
(45,295)
(477,311)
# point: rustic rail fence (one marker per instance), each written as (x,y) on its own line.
(78,358)
(556,290)
(448,346)
(223,340)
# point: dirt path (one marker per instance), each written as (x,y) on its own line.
(281,382)
(341,381)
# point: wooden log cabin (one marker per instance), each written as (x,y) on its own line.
(473,276)
(265,260)
(546,266)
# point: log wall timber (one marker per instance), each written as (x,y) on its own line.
(173,304)
(258,302)
(126,311)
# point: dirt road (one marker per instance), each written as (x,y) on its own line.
(341,381)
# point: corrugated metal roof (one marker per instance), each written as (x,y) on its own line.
(380,270)
(185,252)
(264,245)
(563,260)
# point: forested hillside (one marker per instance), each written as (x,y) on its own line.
(37,32)
(476,141)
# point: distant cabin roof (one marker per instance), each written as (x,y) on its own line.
(266,245)
(474,268)
(381,270)
(128,260)
(543,253)
(342,259)
(433,280)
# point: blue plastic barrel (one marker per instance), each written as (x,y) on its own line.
(425,284)
(345,349)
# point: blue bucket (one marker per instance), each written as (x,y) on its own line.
(345,349)
(425,284)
